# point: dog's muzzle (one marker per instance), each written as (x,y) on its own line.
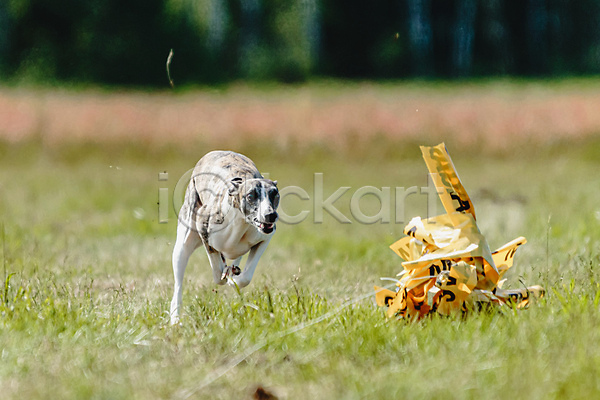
(268,225)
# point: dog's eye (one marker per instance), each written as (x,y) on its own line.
(251,196)
(274,197)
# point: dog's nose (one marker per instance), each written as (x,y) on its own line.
(271,217)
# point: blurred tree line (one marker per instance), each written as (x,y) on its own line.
(127,42)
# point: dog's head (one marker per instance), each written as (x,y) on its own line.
(258,200)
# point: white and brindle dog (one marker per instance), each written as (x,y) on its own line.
(230,209)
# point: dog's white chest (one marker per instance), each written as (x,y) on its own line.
(231,209)
(234,237)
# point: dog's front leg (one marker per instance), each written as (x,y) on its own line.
(217,264)
(256,252)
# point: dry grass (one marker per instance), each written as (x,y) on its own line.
(497,114)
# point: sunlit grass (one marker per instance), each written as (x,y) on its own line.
(86,284)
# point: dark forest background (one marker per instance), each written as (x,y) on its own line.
(127,42)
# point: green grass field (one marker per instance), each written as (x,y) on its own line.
(86,281)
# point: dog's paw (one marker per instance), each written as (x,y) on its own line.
(229,272)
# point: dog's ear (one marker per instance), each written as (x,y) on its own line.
(234,185)
(274,183)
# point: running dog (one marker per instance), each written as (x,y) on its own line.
(230,209)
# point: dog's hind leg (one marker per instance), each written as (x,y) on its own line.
(235,267)
(232,270)
(187,241)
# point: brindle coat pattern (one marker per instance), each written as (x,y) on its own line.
(230,209)
(209,185)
